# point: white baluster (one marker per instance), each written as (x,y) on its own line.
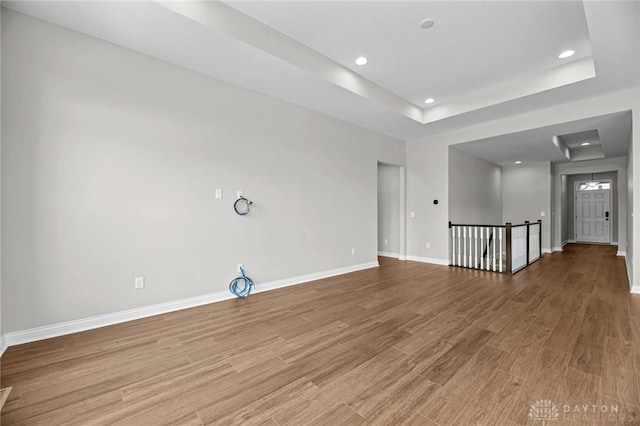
(470,252)
(471,247)
(500,249)
(475,244)
(486,262)
(494,248)
(464,247)
(459,242)
(481,248)
(453,245)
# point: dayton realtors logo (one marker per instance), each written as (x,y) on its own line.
(544,410)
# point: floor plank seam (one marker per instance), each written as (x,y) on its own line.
(478,346)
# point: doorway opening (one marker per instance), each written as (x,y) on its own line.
(391,211)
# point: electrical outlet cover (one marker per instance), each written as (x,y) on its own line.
(139,283)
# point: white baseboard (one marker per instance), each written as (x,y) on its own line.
(389,254)
(55,330)
(311,277)
(432,260)
(75,326)
(621,253)
(547,250)
(557,248)
(632,288)
(571,241)
(3,345)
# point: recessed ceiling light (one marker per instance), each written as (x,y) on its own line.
(427,23)
(362,61)
(585,143)
(518,162)
(566,54)
(429,101)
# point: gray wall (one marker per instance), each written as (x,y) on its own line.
(527,193)
(389,209)
(1,332)
(110,160)
(428,180)
(571,223)
(475,189)
(550,215)
(634,204)
(564,229)
(630,224)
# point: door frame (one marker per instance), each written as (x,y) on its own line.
(575,208)
(402,255)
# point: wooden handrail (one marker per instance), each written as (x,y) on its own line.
(479,226)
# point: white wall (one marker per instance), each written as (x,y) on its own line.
(110,160)
(550,216)
(526,191)
(475,189)
(630,222)
(2,343)
(428,180)
(389,210)
(633,233)
(562,215)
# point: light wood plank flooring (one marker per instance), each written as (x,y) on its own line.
(406,343)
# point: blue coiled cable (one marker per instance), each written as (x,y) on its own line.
(246,288)
(242,206)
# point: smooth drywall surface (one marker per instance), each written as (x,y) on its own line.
(585,168)
(1,332)
(389,209)
(635,204)
(553,207)
(110,163)
(526,195)
(629,212)
(564,228)
(475,189)
(571,196)
(428,180)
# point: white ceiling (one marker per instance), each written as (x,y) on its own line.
(536,145)
(473,61)
(575,140)
(472,45)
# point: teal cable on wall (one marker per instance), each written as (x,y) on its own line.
(247,285)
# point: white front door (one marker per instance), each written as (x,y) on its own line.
(593,216)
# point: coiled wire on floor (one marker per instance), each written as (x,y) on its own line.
(244,281)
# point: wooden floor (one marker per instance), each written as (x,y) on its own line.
(406,343)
